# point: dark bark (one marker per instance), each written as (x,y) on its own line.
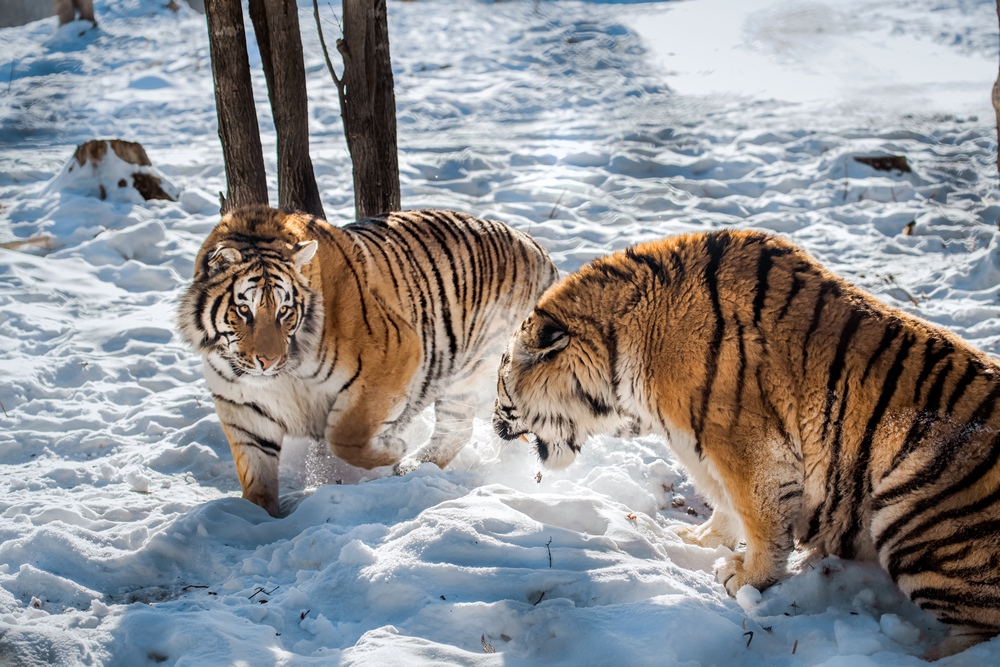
(238,130)
(368,107)
(276,24)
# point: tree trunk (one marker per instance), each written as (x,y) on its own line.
(996,101)
(238,130)
(276,24)
(68,10)
(368,107)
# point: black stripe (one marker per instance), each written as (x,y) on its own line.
(932,355)
(741,370)
(350,382)
(794,493)
(258,441)
(256,407)
(967,532)
(827,288)
(767,256)
(892,330)
(792,292)
(935,468)
(837,365)
(656,267)
(598,407)
(832,501)
(861,476)
(922,422)
(962,598)
(962,385)
(716,244)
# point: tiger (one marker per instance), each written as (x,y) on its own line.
(344,334)
(808,412)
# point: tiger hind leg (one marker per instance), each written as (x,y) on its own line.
(452,430)
(958,639)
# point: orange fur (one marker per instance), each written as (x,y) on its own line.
(805,409)
(344,334)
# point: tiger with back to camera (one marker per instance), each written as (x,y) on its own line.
(804,409)
(344,334)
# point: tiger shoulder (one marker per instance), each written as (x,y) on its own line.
(807,411)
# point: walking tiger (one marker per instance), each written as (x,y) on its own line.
(345,334)
(806,410)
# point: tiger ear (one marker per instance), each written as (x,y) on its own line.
(550,338)
(304,253)
(222,258)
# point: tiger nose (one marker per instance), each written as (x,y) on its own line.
(266,362)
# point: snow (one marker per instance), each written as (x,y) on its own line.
(590,126)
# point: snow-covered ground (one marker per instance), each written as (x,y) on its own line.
(591,126)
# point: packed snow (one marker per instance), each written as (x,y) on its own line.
(591,126)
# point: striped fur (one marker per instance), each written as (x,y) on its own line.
(806,410)
(345,334)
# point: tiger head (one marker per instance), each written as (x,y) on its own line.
(555,382)
(250,303)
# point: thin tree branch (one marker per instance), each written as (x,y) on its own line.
(326,55)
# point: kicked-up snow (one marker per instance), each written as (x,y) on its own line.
(591,126)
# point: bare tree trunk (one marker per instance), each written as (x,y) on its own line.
(276,24)
(368,107)
(238,130)
(68,9)
(996,101)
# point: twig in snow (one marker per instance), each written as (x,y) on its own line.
(748,632)
(260,589)
(539,599)
(487,647)
(303,615)
(193,586)
(553,211)
(13,64)
(550,552)
(795,646)
(4,410)
(846,179)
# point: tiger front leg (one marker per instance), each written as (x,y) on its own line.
(364,433)
(764,485)
(256,461)
(722,529)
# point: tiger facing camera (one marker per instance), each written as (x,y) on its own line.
(344,334)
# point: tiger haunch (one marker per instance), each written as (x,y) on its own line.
(805,409)
(345,334)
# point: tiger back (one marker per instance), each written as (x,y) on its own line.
(343,334)
(805,410)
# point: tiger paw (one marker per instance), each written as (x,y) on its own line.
(734,573)
(731,574)
(687,533)
(406,466)
(389,447)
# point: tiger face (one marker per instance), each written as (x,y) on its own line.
(556,384)
(253,304)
